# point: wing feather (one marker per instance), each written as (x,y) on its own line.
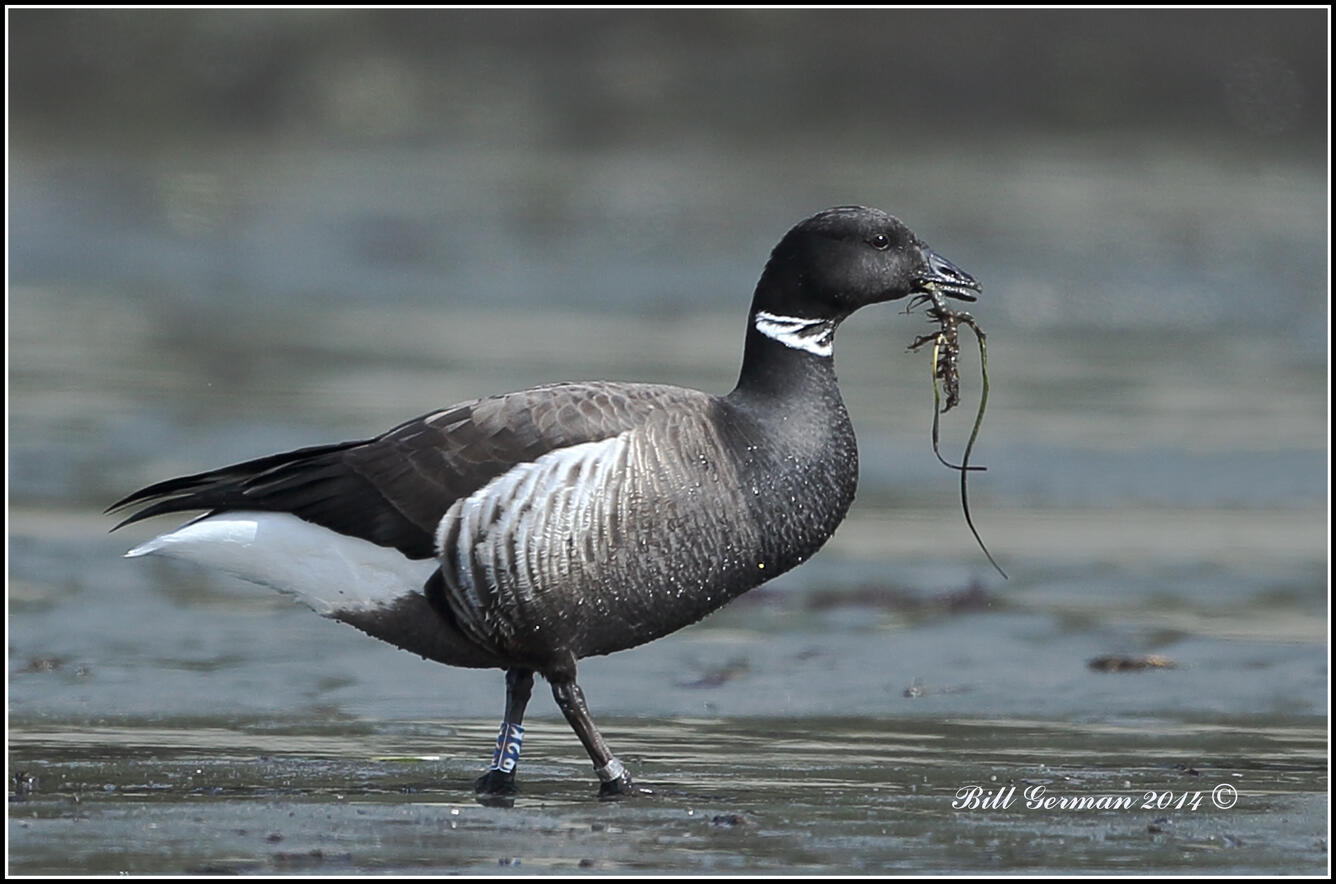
(394,489)
(577,550)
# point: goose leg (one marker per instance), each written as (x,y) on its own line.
(500,778)
(614,780)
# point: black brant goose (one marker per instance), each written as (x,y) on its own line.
(528,530)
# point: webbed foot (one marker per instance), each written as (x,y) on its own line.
(622,787)
(496,782)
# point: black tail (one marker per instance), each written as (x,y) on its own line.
(319,484)
(266,483)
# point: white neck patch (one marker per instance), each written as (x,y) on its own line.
(813,335)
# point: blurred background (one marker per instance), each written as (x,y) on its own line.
(234,232)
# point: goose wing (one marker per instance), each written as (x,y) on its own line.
(603,545)
(393,490)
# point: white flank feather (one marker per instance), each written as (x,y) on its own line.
(516,527)
(330,572)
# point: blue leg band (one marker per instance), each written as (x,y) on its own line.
(508,742)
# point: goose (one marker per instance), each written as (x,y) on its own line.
(529,530)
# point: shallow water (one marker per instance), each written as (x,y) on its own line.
(1156,445)
(741,795)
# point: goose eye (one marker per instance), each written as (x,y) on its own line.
(880,241)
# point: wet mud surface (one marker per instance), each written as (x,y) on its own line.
(818,796)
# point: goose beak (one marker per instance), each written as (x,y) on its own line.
(944,278)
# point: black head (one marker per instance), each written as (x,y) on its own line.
(848,257)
